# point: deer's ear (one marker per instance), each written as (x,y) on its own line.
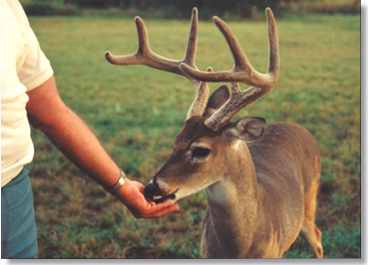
(250,129)
(217,99)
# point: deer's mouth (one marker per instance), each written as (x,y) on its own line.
(153,193)
(162,198)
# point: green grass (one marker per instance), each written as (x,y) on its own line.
(137,111)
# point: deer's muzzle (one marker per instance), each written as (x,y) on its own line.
(152,192)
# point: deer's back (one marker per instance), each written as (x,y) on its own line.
(287,162)
(286,151)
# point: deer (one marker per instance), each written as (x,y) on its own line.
(261,179)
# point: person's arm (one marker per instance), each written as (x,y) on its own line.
(70,134)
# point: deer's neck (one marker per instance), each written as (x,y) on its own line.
(233,206)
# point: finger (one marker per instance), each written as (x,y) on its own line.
(169,210)
(174,208)
(160,206)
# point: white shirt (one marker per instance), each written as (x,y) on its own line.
(23,66)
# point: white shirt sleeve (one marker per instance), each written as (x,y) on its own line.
(35,68)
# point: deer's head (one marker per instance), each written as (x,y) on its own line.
(209,142)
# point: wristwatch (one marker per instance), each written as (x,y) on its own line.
(121,180)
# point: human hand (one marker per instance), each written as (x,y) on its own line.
(131,194)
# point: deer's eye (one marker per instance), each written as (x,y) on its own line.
(200,152)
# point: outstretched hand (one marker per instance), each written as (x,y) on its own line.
(131,194)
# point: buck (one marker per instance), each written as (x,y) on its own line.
(261,178)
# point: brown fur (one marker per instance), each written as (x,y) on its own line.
(268,189)
(262,187)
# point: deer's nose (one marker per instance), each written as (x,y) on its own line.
(151,190)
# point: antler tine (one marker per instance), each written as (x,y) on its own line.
(145,56)
(240,58)
(191,49)
(243,71)
(273,42)
(143,40)
(200,100)
(143,47)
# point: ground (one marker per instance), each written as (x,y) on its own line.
(136,112)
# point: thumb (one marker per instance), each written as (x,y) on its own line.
(140,187)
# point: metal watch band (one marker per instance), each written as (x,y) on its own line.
(118,183)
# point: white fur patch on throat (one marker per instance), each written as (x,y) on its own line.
(237,145)
(222,192)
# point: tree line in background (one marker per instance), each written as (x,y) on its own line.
(180,8)
(244,8)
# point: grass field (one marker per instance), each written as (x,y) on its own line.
(137,111)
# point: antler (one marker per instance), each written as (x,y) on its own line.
(200,100)
(145,55)
(243,71)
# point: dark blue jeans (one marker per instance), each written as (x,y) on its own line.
(18,224)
